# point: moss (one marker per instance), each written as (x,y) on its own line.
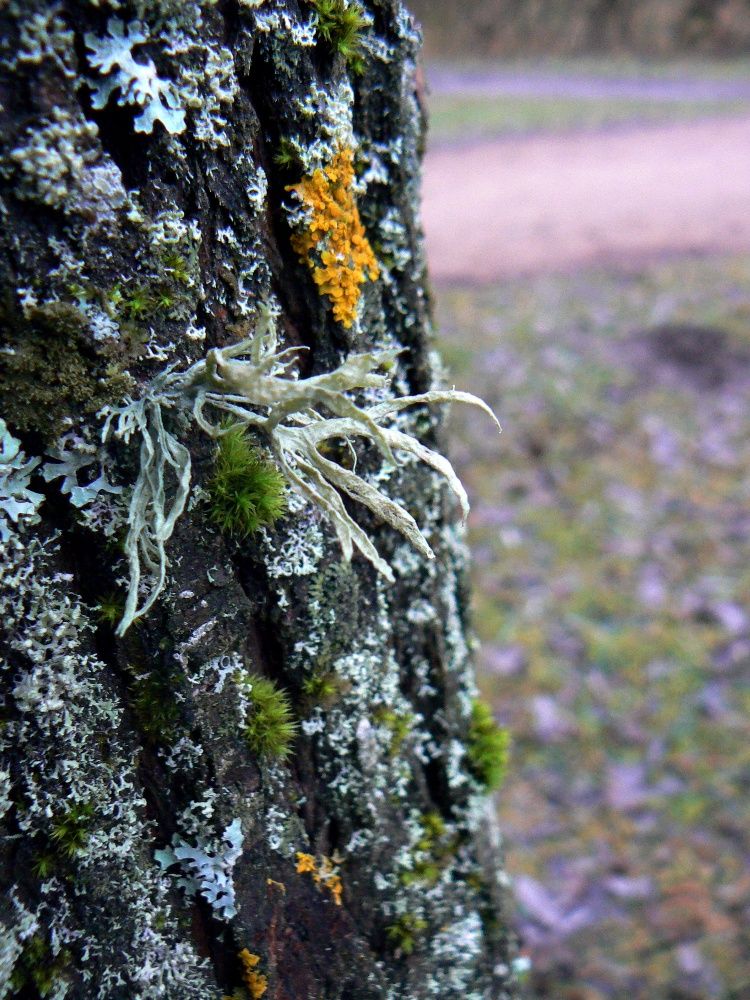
(432,852)
(286,156)
(49,370)
(70,832)
(340,27)
(155,705)
(270,729)
(246,490)
(487,747)
(325,688)
(400,724)
(110,610)
(404,934)
(37,968)
(176,267)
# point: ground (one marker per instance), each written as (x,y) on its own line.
(610,540)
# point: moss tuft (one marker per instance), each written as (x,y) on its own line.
(247,491)
(111,609)
(404,934)
(71,830)
(270,729)
(399,724)
(487,747)
(324,687)
(340,26)
(37,970)
(155,706)
(49,371)
(432,852)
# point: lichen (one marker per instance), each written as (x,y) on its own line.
(19,503)
(138,83)
(61,164)
(331,239)
(255,982)
(243,381)
(324,872)
(208,866)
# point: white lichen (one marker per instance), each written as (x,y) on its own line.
(17,501)
(138,83)
(208,867)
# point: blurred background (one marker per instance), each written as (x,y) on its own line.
(587,209)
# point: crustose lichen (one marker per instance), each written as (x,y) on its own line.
(248,381)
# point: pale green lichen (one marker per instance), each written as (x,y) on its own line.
(19,502)
(208,867)
(137,82)
(247,381)
(60,163)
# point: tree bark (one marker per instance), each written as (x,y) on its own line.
(147,180)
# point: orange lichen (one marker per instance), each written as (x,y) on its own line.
(305,863)
(333,244)
(255,983)
(323,872)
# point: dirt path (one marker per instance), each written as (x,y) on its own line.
(583,86)
(549,203)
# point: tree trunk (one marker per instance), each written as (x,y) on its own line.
(268,783)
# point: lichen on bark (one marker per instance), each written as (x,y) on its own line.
(148,851)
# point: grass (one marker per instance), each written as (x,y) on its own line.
(611,551)
(456,116)
(459,117)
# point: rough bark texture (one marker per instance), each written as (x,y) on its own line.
(148,850)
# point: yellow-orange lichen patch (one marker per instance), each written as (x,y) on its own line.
(255,983)
(323,872)
(305,863)
(333,244)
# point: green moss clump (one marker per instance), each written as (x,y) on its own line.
(432,852)
(246,490)
(155,706)
(286,156)
(49,369)
(111,609)
(270,729)
(340,26)
(400,725)
(324,687)
(488,746)
(404,934)
(37,968)
(71,830)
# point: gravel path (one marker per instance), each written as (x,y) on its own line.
(554,202)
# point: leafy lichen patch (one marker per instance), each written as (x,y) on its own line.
(332,240)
